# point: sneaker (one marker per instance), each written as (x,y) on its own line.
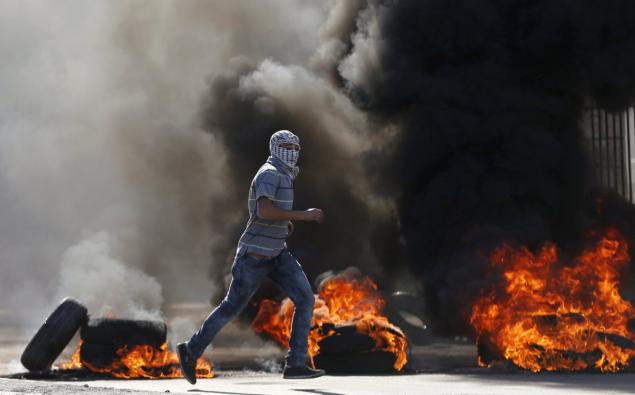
(301,372)
(187,361)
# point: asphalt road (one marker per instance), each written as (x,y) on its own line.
(252,383)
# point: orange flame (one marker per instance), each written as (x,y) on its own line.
(341,301)
(75,362)
(142,361)
(555,316)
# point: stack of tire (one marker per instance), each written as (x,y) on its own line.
(101,337)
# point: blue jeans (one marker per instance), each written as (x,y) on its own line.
(247,274)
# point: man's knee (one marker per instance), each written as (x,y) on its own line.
(304,300)
(235,301)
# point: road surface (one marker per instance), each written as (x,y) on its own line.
(248,383)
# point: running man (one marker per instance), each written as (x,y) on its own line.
(262,252)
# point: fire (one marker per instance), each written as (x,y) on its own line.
(341,301)
(75,362)
(549,315)
(141,361)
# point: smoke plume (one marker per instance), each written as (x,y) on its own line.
(99,134)
(91,272)
(244,106)
(487,97)
(431,131)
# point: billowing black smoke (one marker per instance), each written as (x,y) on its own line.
(472,127)
(242,108)
(488,97)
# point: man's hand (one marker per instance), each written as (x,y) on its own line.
(313,214)
(290,228)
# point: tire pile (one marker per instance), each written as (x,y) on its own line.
(101,337)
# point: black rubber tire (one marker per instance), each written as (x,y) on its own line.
(55,334)
(346,340)
(98,355)
(124,332)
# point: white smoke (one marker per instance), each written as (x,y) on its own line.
(302,92)
(98,130)
(92,272)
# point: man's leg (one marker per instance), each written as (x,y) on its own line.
(247,274)
(289,276)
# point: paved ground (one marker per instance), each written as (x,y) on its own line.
(248,383)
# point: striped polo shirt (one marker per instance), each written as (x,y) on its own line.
(261,236)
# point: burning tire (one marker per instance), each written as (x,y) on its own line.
(117,332)
(131,349)
(347,351)
(349,326)
(103,337)
(56,332)
(345,340)
(97,355)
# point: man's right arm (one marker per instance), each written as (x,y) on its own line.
(267,210)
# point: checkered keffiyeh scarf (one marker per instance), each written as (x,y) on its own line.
(286,156)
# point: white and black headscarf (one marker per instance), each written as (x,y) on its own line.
(288,157)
